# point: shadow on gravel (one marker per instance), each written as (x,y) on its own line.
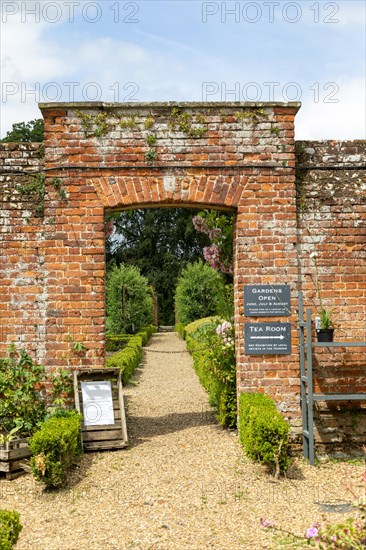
(142,428)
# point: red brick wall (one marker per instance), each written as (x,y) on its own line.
(332,225)
(104,158)
(241,158)
(22,235)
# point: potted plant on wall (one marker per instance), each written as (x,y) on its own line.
(324,323)
(324,326)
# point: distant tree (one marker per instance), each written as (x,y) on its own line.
(160,242)
(26,131)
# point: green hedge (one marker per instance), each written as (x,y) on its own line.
(263,431)
(116,342)
(10,528)
(55,447)
(215,368)
(179,327)
(131,355)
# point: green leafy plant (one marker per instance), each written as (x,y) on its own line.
(187,123)
(263,431)
(79,347)
(199,292)
(57,184)
(32,131)
(24,401)
(149,123)
(179,327)
(62,390)
(34,191)
(22,392)
(116,342)
(326,321)
(10,528)
(55,447)
(346,535)
(5,438)
(326,318)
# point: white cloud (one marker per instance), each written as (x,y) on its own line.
(162,69)
(344,120)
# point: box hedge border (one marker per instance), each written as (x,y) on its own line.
(130,356)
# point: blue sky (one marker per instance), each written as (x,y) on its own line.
(312,51)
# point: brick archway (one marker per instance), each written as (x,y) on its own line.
(234,156)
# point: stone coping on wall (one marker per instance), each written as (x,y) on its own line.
(169,104)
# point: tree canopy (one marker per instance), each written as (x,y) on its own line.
(160,242)
(25,132)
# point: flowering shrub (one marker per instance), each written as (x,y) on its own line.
(219,228)
(346,535)
(225,331)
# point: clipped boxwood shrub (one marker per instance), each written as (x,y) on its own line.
(116,342)
(55,447)
(199,292)
(128,299)
(131,355)
(10,528)
(214,363)
(263,431)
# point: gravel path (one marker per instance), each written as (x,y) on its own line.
(182,484)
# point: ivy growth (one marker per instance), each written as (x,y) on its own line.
(34,190)
(151,155)
(253,116)
(184,122)
(57,184)
(149,123)
(150,139)
(101,124)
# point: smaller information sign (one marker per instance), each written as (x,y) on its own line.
(97,403)
(267,300)
(267,338)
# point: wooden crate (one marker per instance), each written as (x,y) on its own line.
(14,456)
(102,437)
